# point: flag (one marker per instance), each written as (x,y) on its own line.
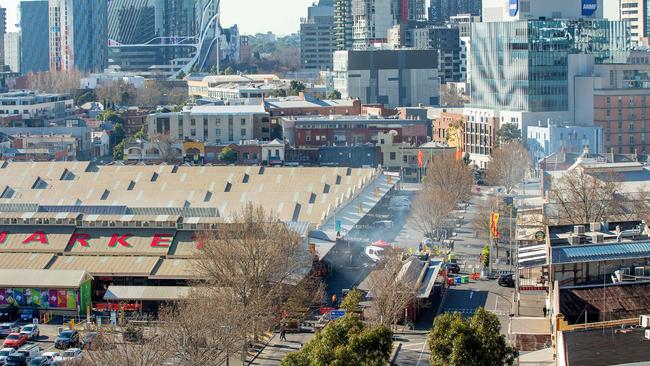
(420,159)
(459,153)
(494,225)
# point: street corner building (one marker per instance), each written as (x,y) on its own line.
(75,236)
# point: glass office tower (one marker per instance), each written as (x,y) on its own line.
(523,65)
(34,46)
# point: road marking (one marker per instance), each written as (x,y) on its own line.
(422,351)
(496,304)
(408,346)
(471,293)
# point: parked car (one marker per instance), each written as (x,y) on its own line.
(399,203)
(29,314)
(383,224)
(452,267)
(15,340)
(8,328)
(70,355)
(67,339)
(4,353)
(29,351)
(50,356)
(8,313)
(39,361)
(374,252)
(16,359)
(31,330)
(506,280)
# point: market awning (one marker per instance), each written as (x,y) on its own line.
(146,293)
(42,278)
(530,256)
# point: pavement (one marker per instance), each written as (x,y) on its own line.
(275,350)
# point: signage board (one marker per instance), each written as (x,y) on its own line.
(335,314)
(589,7)
(513,7)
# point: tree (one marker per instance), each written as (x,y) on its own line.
(345,341)
(249,263)
(454,341)
(430,209)
(579,197)
(117,135)
(486,255)
(448,176)
(334,94)
(508,133)
(109,115)
(165,145)
(228,155)
(279,93)
(84,97)
(55,81)
(295,87)
(351,301)
(229,71)
(390,292)
(451,97)
(150,95)
(508,166)
(140,134)
(118,151)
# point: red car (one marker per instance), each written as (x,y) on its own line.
(15,340)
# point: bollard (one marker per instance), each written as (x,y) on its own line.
(465,279)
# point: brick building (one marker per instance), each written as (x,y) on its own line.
(449,128)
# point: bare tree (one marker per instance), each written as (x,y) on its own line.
(579,197)
(165,145)
(54,81)
(254,259)
(389,290)
(508,166)
(431,208)
(149,96)
(448,176)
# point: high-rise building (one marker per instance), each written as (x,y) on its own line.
(522,73)
(132,22)
(12,50)
(412,10)
(317,39)
(503,10)
(34,47)
(636,13)
(394,78)
(372,21)
(343,24)
(3,30)
(440,11)
(78,35)
(446,40)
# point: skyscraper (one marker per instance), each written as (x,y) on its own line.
(3,29)
(372,20)
(78,35)
(12,50)
(343,24)
(34,46)
(636,13)
(441,10)
(132,22)
(317,39)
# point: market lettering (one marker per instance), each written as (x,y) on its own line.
(80,238)
(117,238)
(161,240)
(3,236)
(37,236)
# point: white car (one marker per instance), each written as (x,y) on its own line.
(4,353)
(51,356)
(399,203)
(374,252)
(31,330)
(71,355)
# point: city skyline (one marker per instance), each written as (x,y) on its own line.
(248,23)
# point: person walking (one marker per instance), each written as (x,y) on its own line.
(283,333)
(544,310)
(334,300)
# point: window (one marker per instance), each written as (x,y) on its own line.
(392,156)
(192,122)
(243,121)
(243,132)
(308,138)
(217,132)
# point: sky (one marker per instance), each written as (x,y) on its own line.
(252,16)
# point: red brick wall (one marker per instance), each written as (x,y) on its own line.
(627,126)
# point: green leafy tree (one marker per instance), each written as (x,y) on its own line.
(486,255)
(334,94)
(111,116)
(295,87)
(351,301)
(117,135)
(228,155)
(508,133)
(118,151)
(279,93)
(229,71)
(140,134)
(84,97)
(455,341)
(345,341)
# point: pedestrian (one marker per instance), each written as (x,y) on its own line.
(334,300)
(283,333)
(544,310)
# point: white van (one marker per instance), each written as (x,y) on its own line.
(375,253)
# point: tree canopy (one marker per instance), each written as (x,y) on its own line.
(508,166)
(455,341)
(334,94)
(228,155)
(508,133)
(345,341)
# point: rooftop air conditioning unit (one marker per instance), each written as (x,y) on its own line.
(598,238)
(594,226)
(644,321)
(574,240)
(579,229)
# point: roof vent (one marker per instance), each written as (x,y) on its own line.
(575,239)
(598,238)
(579,230)
(644,321)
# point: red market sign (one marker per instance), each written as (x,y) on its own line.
(158,240)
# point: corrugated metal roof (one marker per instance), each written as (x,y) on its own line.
(42,278)
(97,210)
(593,253)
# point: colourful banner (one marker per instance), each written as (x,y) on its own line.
(19,297)
(61,298)
(35,297)
(3,296)
(54,298)
(72,299)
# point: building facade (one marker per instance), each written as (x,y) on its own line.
(213,124)
(543,141)
(343,24)
(499,10)
(446,40)
(12,51)
(317,38)
(78,35)
(635,12)
(34,48)
(390,77)
(440,11)
(3,30)
(372,20)
(30,105)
